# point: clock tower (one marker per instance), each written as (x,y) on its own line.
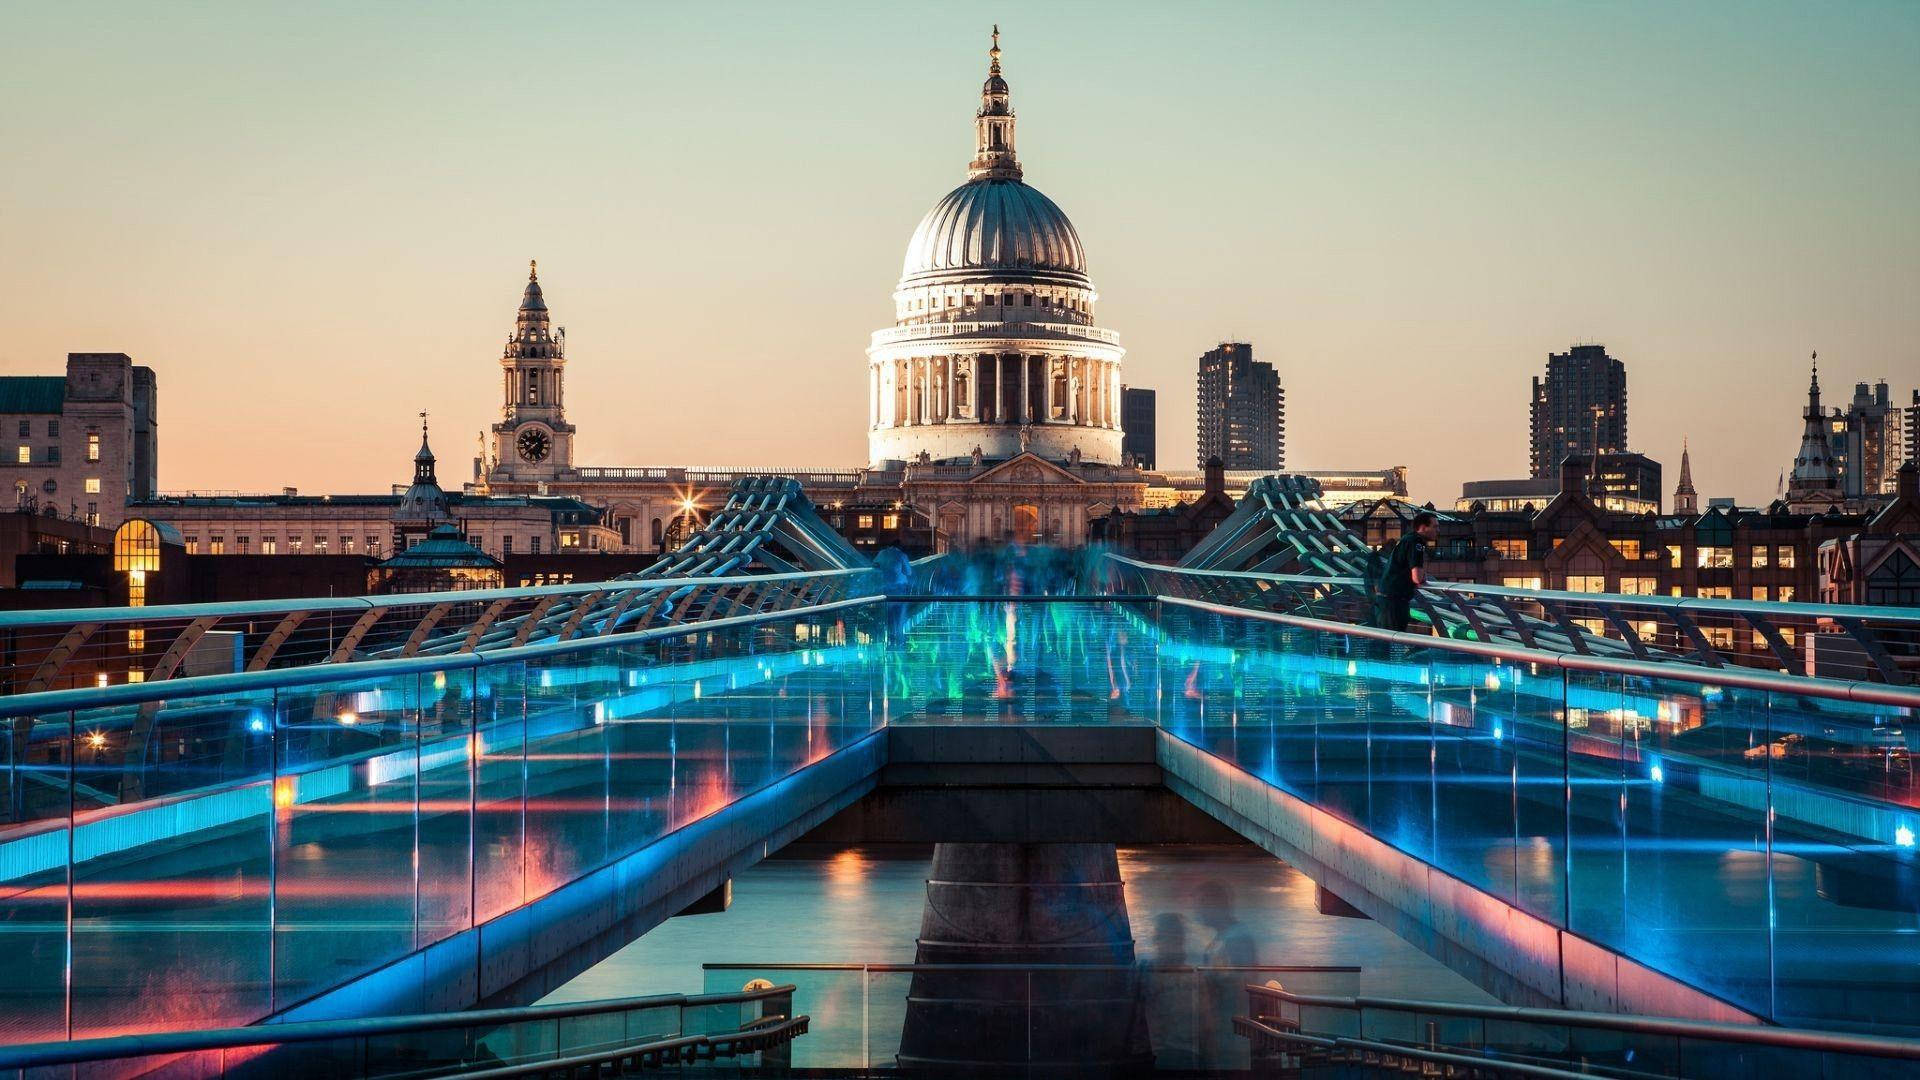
(533,440)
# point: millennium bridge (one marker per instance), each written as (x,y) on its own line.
(362,836)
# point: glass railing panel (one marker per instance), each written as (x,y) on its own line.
(445,781)
(344,814)
(415,1053)
(512,1044)
(172,859)
(34,838)
(651,1023)
(567,765)
(1475,783)
(1631,1053)
(1846,871)
(590,1033)
(639,749)
(1529,715)
(834,1000)
(1695,796)
(1596,776)
(1398,689)
(499,789)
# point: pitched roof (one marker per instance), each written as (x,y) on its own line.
(32,393)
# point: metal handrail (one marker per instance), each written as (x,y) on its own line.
(746,1040)
(68,1052)
(1743,678)
(1649,600)
(1250,1024)
(60,616)
(1834,1042)
(47,701)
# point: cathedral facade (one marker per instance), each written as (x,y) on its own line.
(993,402)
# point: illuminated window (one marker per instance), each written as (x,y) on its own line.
(1629,549)
(296,545)
(1720,637)
(136,546)
(1785,561)
(1520,582)
(217,545)
(93,485)
(243,544)
(1639,586)
(1586,583)
(1759,592)
(865,522)
(319,545)
(269,546)
(1715,592)
(25,455)
(1714,558)
(93,446)
(346,545)
(1512,550)
(373,545)
(569,539)
(890,521)
(1760,556)
(1785,594)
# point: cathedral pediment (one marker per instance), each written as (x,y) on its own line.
(1026,469)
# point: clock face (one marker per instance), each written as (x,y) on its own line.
(533,445)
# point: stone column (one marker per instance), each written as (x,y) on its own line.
(1025,363)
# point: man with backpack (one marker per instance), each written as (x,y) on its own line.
(1403,571)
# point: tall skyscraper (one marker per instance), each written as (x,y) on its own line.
(1579,407)
(1913,428)
(1872,442)
(1243,410)
(1140,441)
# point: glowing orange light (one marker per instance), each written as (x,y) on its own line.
(348,717)
(96,739)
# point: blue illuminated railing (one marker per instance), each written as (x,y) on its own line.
(212,850)
(1749,832)
(1854,642)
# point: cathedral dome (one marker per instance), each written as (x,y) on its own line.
(994,223)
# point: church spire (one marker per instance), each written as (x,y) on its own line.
(1685,499)
(993,154)
(1814,469)
(423,461)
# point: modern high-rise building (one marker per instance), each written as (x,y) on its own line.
(1243,410)
(1871,443)
(1579,407)
(1913,428)
(1137,421)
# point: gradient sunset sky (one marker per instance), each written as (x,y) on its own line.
(314,221)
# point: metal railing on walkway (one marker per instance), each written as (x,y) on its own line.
(1831,641)
(1287,1028)
(535,1040)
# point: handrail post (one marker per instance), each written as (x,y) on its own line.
(777,1058)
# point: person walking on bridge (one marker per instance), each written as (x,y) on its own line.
(1406,571)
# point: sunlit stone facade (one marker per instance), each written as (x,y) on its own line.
(994,347)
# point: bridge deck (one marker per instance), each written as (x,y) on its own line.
(338,846)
